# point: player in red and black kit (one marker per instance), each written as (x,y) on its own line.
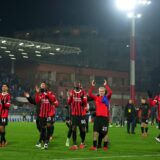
(144,115)
(101,121)
(156,101)
(38,125)
(68,124)
(78,101)
(47,101)
(32,101)
(4,109)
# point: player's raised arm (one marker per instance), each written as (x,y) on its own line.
(30,99)
(37,97)
(70,97)
(90,92)
(109,91)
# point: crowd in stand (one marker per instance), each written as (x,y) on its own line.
(16,89)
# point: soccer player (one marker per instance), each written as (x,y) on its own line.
(153,102)
(101,121)
(47,101)
(32,101)
(4,109)
(78,101)
(144,115)
(69,124)
(130,114)
(87,118)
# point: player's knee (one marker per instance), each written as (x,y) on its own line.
(82,129)
(104,133)
(73,128)
(2,129)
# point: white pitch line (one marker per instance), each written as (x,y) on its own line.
(111,157)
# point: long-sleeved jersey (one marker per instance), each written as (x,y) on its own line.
(67,112)
(102,109)
(33,101)
(156,101)
(77,102)
(144,111)
(47,102)
(5,103)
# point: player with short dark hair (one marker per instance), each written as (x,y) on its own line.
(78,101)
(47,101)
(101,121)
(144,115)
(5,103)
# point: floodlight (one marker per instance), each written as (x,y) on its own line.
(126,5)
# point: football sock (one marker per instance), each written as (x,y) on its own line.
(99,140)
(52,130)
(74,136)
(69,133)
(43,134)
(3,137)
(83,135)
(105,144)
(146,129)
(95,143)
(142,129)
(49,131)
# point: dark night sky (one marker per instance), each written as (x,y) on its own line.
(17,15)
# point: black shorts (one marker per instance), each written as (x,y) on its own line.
(78,121)
(44,121)
(38,123)
(144,120)
(3,121)
(158,124)
(68,124)
(101,124)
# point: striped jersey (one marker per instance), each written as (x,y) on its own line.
(78,102)
(47,102)
(5,103)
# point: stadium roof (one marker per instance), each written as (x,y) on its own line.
(18,49)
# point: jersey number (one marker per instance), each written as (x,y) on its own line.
(83,121)
(48,119)
(3,120)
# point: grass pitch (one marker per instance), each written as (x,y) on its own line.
(23,136)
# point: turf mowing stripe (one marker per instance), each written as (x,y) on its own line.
(111,157)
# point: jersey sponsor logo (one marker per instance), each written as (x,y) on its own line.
(77,99)
(45,101)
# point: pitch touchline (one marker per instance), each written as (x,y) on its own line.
(110,157)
